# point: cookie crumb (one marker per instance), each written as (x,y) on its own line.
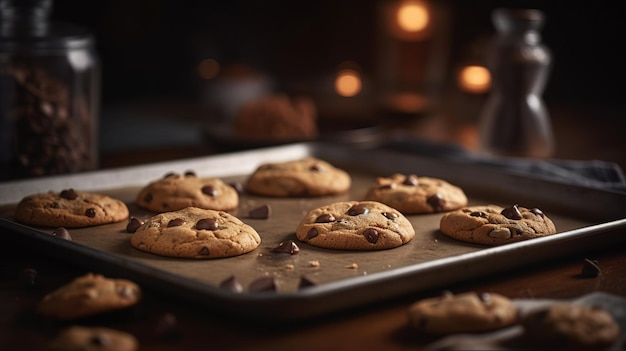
(289,266)
(590,269)
(314,263)
(352,266)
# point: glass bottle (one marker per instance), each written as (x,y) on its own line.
(49,93)
(514,120)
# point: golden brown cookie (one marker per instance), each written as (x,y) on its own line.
(468,312)
(307,177)
(493,225)
(88,295)
(355,225)
(70,208)
(570,326)
(411,194)
(176,191)
(195,233)
(79,338)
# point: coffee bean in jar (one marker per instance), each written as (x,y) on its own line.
(49,93)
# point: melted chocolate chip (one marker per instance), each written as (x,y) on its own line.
(411,180)
(537,211)
(261,212)
(133,224)
(170,175)
(312,233)
(175,222)
(288,246)
(263,284)
(68,194)
(325,218)
(357,210)
(209,190)
(316,168)
(390,215)
(231,284)
(55,205)
(371,235)
(478,214)
(512,212)
(484,297)
(204,251)
(90,212)
(100,340)
(61,233)
(148,198)
(190,174)
(207,224)
(590,269)
(305,282)
(436,202)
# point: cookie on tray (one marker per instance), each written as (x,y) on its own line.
(176,191)
(355,225)
(468,312)
(70,208)
(89,295)
(307,177)
(570,326)
(493,225)
(81,338)
(195,233)
(411,194)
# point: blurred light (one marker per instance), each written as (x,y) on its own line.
(412,16)
(348,82)
(474,79)
(208,68)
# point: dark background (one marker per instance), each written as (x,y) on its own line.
(150,48)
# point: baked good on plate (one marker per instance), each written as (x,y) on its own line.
(84,338)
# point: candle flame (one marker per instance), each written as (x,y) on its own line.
(348,83)
(412,16)
(474,79)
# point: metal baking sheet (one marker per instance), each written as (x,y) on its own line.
(585,218)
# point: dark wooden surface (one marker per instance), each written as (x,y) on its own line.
(381,326)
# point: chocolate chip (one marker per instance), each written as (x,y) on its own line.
(190,174)
(238,186)
(148,198)
(262,284)
(167,327)
(90,212)
(125,291)
(68,194)
(207,224)
(175,222)
(411,180)
(231,284)
(133,224)
(209,190)
(537,211)
(61,233)
(371,235)
(512,212)
(305,282)
(357,210)
(390,215)
(478,214)
(316,168)
(288,246)
(261,212)
(170,175)
(437,202)
(28,278)
(312,233)
(204,251)
(325,218)
(484,297)
(100,340)
(590,269)
(55,205)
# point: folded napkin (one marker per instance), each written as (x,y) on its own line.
(593,173)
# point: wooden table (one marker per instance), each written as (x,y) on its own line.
(381,326)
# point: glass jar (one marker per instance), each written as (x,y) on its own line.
(49,93)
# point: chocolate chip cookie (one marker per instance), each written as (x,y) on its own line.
(70,208)
(88,295)
(493,225)
(468,312)
(411,194)
(570,326)
(176,191)
(195,233)
(308,177)
(355,225)
(75,338)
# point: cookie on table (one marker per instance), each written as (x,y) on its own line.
(570,326)
(89,295)
(307,177)
(70,208)
(411,194)
(81,338)
(355,225)
(195,233)
(176,191)
(469,312)
(493,225)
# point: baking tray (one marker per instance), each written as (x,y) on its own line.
(586,219)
